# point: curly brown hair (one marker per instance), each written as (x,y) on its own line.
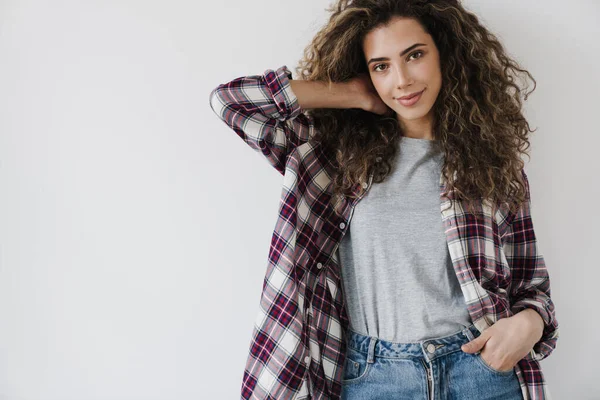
(478,123)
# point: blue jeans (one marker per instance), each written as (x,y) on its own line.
(435,369)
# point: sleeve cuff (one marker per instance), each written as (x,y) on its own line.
(547,342)
(278,84)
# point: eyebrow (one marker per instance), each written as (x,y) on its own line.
(401,54)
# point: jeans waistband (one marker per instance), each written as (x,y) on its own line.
(428,348)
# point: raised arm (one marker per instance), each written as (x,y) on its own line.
(266,110)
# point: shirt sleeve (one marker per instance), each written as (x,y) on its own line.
(264,111)
(530,281)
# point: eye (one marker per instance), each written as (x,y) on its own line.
(416,52)
(378,65)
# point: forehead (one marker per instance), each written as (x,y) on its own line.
(397,35)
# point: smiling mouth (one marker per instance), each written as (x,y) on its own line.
(410,97)
(411,101)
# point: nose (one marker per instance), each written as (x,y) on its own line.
(402,78)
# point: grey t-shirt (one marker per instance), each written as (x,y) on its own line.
(397,273)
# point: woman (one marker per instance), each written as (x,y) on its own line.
(406,123)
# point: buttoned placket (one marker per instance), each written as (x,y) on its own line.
(342,226)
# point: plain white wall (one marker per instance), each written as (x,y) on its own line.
(135,225)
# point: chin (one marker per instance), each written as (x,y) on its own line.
(417,114)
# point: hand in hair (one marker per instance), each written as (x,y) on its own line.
(371,101)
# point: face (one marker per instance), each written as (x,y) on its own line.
(403,59)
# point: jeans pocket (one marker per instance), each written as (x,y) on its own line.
(494,370)
(356,366)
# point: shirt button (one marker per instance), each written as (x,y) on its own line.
(342,225)
(307,359)
(430,348)
(319,265)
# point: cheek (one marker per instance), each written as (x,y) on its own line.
(435,74)
(428,74)
(437,82)
(382,88)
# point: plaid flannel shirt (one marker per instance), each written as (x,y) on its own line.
(297,350)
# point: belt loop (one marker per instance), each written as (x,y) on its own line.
(467,332)
(371,354)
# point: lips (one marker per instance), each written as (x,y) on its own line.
(410,100)
(410,96)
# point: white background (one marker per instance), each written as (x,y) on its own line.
(135,225)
